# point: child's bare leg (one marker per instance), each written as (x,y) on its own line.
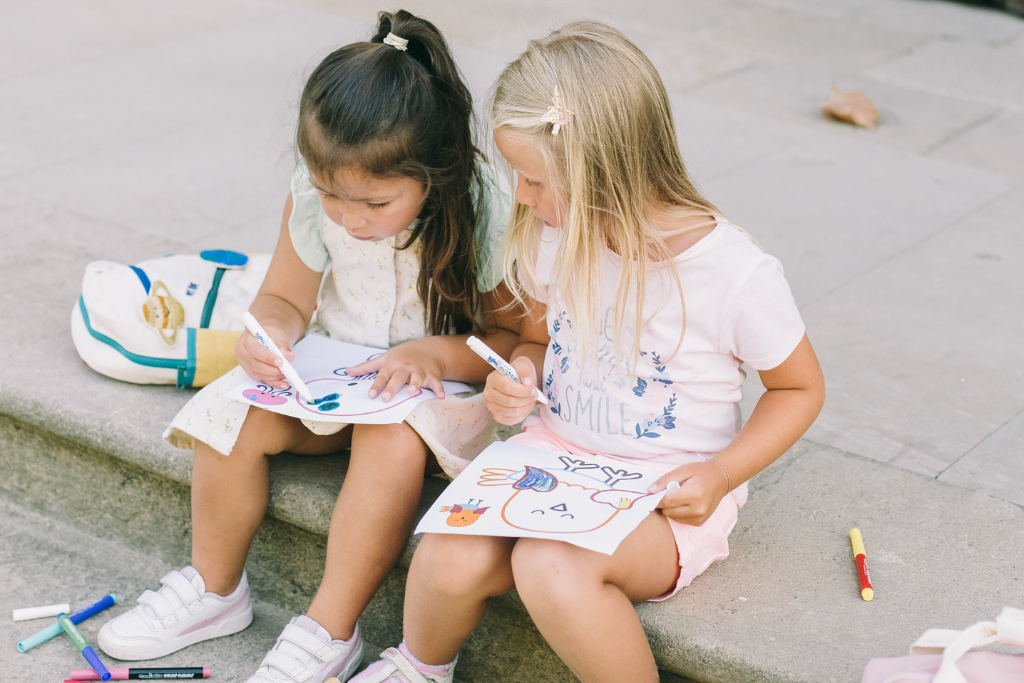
(446,593)
(582,601)
(371,523)
(230,492)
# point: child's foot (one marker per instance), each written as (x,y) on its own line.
(305,653)
(397,665)
(179,614)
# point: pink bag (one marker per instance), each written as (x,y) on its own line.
(941,655)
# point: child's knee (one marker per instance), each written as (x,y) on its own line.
(463,565)
(389,444)
(551,568)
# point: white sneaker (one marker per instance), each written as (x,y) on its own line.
(397,665)
(305,653)
(179,614)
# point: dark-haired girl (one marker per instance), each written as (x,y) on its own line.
(390,200)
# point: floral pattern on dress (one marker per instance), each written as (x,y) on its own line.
(370,297)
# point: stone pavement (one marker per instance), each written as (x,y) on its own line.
(132,130)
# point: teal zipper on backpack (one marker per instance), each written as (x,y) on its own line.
(186,367)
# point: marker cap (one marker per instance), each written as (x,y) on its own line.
(26,613)
(48,633)
(858,542)
(94,660)
(116,674)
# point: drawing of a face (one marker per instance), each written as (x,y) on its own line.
(562,502)
(464,515)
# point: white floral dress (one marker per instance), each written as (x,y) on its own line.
(369,297)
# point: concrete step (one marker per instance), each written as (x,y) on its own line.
(111,513)
(784,607)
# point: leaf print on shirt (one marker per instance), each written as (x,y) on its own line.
(560,364)
(656,388)
(660,375)
(648,428)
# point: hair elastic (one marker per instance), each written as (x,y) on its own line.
(557,114)
(396,42)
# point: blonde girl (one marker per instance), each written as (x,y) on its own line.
(643,302)
(393,225)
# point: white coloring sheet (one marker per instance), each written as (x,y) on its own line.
(523,492)
(322,364)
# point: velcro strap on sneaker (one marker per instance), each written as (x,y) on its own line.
(177,582)
(309,642)
(290,667)
(395,657)
(159,608)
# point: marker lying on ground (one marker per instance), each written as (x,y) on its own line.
(859,556)
(26,613)
(181,673)
(286,368)
(499,364)
(90,655)
(54,629)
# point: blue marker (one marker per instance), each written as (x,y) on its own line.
(499,364)
(53,630)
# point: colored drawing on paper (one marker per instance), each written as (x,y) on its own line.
(590,502)
(323,365)
(266,395)
(463,515)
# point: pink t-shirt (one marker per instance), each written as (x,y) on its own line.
(670,408)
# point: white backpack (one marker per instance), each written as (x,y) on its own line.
(171,320)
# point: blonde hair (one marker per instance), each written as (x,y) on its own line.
(613,164)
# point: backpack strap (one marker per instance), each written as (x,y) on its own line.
(211,299)
(1007,629)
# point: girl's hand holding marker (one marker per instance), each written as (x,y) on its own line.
(509,398)
(273,357)
(693,491)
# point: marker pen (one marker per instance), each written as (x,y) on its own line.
(87,652)
(26,613)
(54,629)
(499,364)
(860,557)
(289,372)
(180,673)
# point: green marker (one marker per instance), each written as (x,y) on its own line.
(86,650)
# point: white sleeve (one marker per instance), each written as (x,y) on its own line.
(305,224)
(762,324)
(547,252)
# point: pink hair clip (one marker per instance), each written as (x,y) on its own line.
(557,114)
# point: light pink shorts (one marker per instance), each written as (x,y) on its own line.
(698,546)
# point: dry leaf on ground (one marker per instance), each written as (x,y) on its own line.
(851,107)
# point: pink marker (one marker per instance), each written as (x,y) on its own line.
(144,674)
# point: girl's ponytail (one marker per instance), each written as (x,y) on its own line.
(406,112)
(428,47)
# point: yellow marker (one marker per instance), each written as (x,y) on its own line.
(860,557)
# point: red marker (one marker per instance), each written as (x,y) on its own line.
(866,591)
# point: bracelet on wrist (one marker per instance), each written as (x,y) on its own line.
(728,479)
